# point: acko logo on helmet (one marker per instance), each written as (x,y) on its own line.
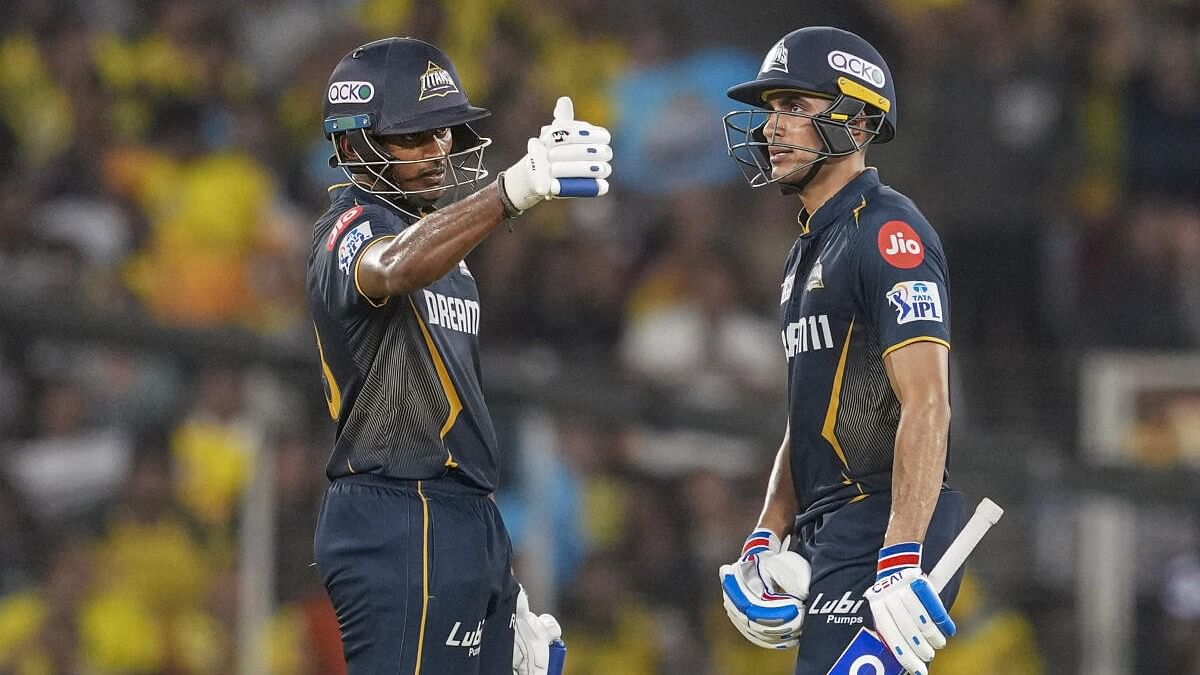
(436,81)
(858,67)
(351,92)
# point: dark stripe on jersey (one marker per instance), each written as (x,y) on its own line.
(870,411)
(398,414)
(444,377)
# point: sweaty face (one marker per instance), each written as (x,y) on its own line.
(426,164)
(791,136)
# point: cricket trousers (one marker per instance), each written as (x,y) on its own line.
(843,548)
(420,574)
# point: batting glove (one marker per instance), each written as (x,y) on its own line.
(765,590)
(909,615)
(569,158)
(532,635)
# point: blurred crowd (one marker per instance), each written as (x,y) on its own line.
(163,163)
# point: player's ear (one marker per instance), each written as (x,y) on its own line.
(865,125)
(346,148)
(859,125)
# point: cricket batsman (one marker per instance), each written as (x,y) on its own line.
(859,481)
(410,544)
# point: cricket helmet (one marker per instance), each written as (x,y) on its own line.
(816,61)
(401,85)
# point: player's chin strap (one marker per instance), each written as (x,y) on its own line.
(813,170)
(401,203)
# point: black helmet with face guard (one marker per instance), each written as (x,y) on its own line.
(399,86)
(819,61)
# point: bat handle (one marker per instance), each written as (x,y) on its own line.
(986,514)
(558,657)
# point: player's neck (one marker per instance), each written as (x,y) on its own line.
(832,177)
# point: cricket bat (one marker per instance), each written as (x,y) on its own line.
(866,654)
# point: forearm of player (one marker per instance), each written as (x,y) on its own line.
(431,247)
(918,469)
(920,378)
(780,505)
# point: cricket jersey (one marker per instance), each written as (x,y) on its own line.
(866,277)
(401,374)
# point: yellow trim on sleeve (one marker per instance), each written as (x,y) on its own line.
(922,338)
(334,399)
(835,401)
(358,262)
(424,575)
(336,186)
(443,375)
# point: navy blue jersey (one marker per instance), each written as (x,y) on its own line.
(401,374)
(866,277)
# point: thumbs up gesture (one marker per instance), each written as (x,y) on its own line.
(569,158)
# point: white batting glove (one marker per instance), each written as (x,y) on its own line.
(532,635)
(909,615)
(569,158)
(765,590)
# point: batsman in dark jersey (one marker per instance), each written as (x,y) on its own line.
(859,480)
(410,544)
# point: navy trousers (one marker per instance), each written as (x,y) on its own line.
(420,574)
(843,548)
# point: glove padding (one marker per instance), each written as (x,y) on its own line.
(532,635)
(765,591)
(569,158)
(910,617)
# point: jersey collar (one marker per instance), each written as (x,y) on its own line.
(844,200)
(361,196)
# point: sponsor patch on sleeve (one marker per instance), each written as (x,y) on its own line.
(351,244)
(900,245)
(916,301)
(340,225)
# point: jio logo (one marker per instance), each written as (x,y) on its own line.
(900,245)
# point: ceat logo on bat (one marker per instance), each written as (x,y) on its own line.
(340,226)
(900,245)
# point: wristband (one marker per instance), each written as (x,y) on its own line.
(760,541)
(897,557)
(510,209)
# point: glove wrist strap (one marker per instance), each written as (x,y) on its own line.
(898,557)
(760,541)
(510,209)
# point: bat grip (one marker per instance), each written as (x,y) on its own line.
(558,657)
(986,515)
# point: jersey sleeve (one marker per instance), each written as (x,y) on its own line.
(336,260)
(904,283)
